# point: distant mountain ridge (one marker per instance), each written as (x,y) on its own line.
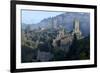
(65,20)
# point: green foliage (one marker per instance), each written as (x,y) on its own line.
(83,55)
(73,53)
(79,49)
(84,46)
(59,54)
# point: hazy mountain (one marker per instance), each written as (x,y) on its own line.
(66,20)
(23,26)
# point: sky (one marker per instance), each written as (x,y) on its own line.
(33,17)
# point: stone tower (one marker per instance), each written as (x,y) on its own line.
(76,29)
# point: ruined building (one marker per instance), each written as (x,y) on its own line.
(64,40)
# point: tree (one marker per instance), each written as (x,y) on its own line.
(73,53)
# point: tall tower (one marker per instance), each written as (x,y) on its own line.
(76,26)
(76,29)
